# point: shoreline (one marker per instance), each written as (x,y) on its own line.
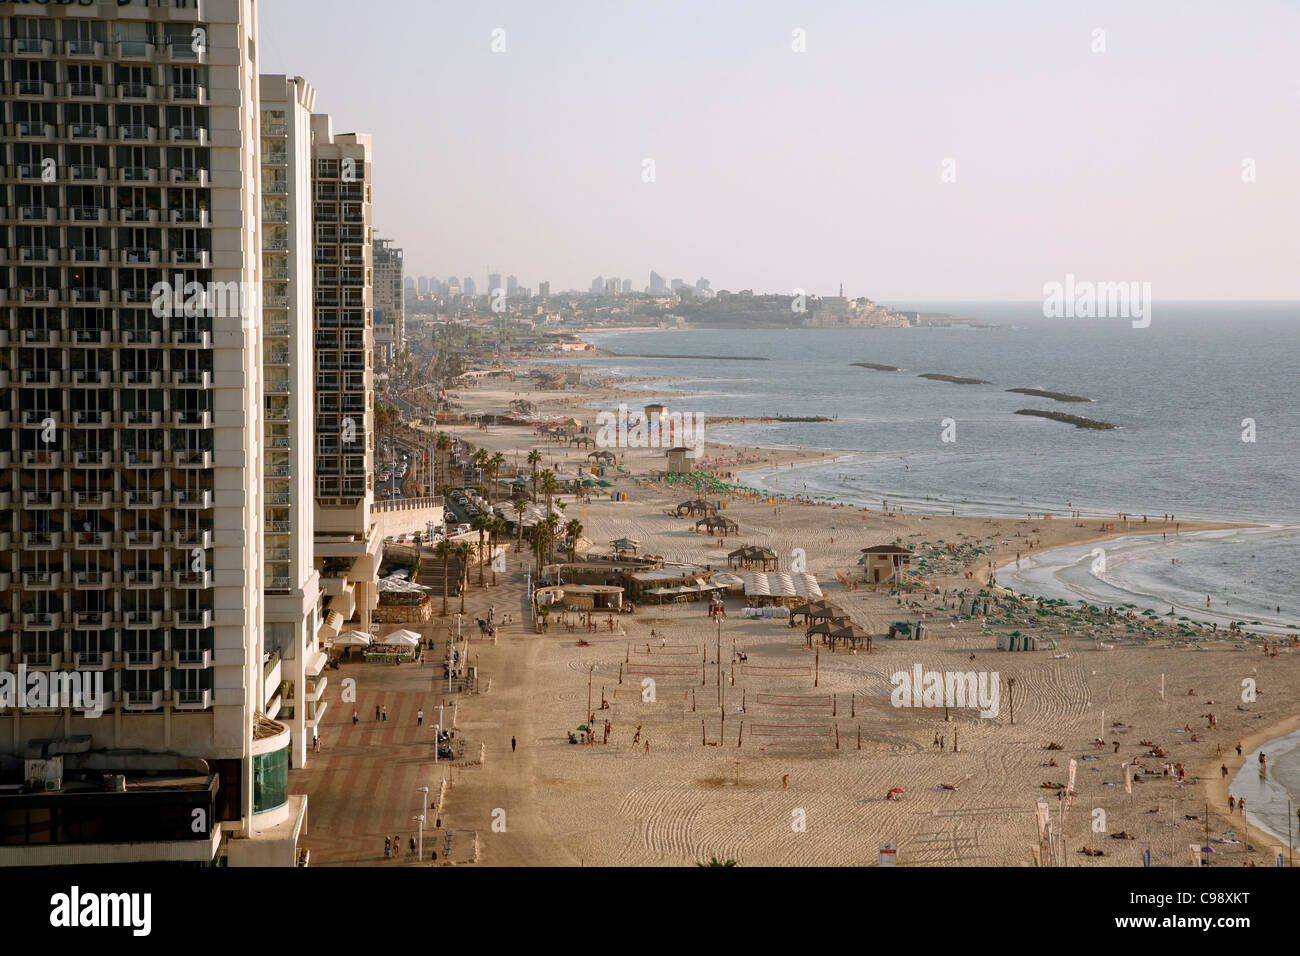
(1218,789)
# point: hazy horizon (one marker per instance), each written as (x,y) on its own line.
(777,169)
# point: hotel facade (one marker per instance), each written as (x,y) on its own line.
(186,420)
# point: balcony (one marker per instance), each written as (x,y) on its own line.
(150,338)
(43,660)
(199,500)
(192,338)
(198,258)
(143,619)
(142,378)
(143,499)
(142,700)
(93,579)
(277,385)
(192,378)
(193,618)
(144,540)
(94,540)
(189,540)
(40,376)
(142,660)
(42,500)
(42,580)
(92,660)
(191,135)
(93,500)
(193,658)
(193,459)
(92,337)
(137,580)
(192,699)
(92,377)
(142,418)
(93,621)
(42,620)
(192,418)
(132,458)
(40,458)
(42,540)
(92,418)
(92,459)
(192,580)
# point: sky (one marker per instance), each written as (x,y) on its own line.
(911,151)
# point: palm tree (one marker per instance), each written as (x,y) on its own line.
(551,522)
(446,550)
(498,525)
(520,507)
(494,466)
(714,861)
(463,551)
(574,530)
(479,458)
(549,487)
(443,445)
(481,523)
(538,535)
(534,459)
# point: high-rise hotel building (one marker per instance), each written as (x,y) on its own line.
(390,300)
(294,679)
(132,366)
(348,546)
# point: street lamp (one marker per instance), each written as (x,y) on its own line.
(423,808)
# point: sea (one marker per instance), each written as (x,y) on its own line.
(1204,398)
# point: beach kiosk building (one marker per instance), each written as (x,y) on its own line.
(886,562)
(681,460)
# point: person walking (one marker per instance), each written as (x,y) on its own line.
(355,718)
(385,713)
(513,744)
(419,717)
(376,713)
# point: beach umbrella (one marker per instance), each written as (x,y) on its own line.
(352,639)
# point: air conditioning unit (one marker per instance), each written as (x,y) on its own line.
(44,774)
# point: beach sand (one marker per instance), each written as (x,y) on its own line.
(787,795)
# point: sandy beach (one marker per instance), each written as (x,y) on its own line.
(786,757)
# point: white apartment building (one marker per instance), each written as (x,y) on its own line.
(131,505)
(294,681)
(390,300)
(348,545)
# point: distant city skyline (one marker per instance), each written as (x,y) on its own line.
(973,155)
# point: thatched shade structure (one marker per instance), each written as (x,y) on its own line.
(852,633)
(583,441)
(717,524)
(624,545)
(826,612)
(828,626)
(808,608)
(603,455)
(752,556)
(694,506)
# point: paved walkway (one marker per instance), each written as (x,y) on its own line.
(363,785)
